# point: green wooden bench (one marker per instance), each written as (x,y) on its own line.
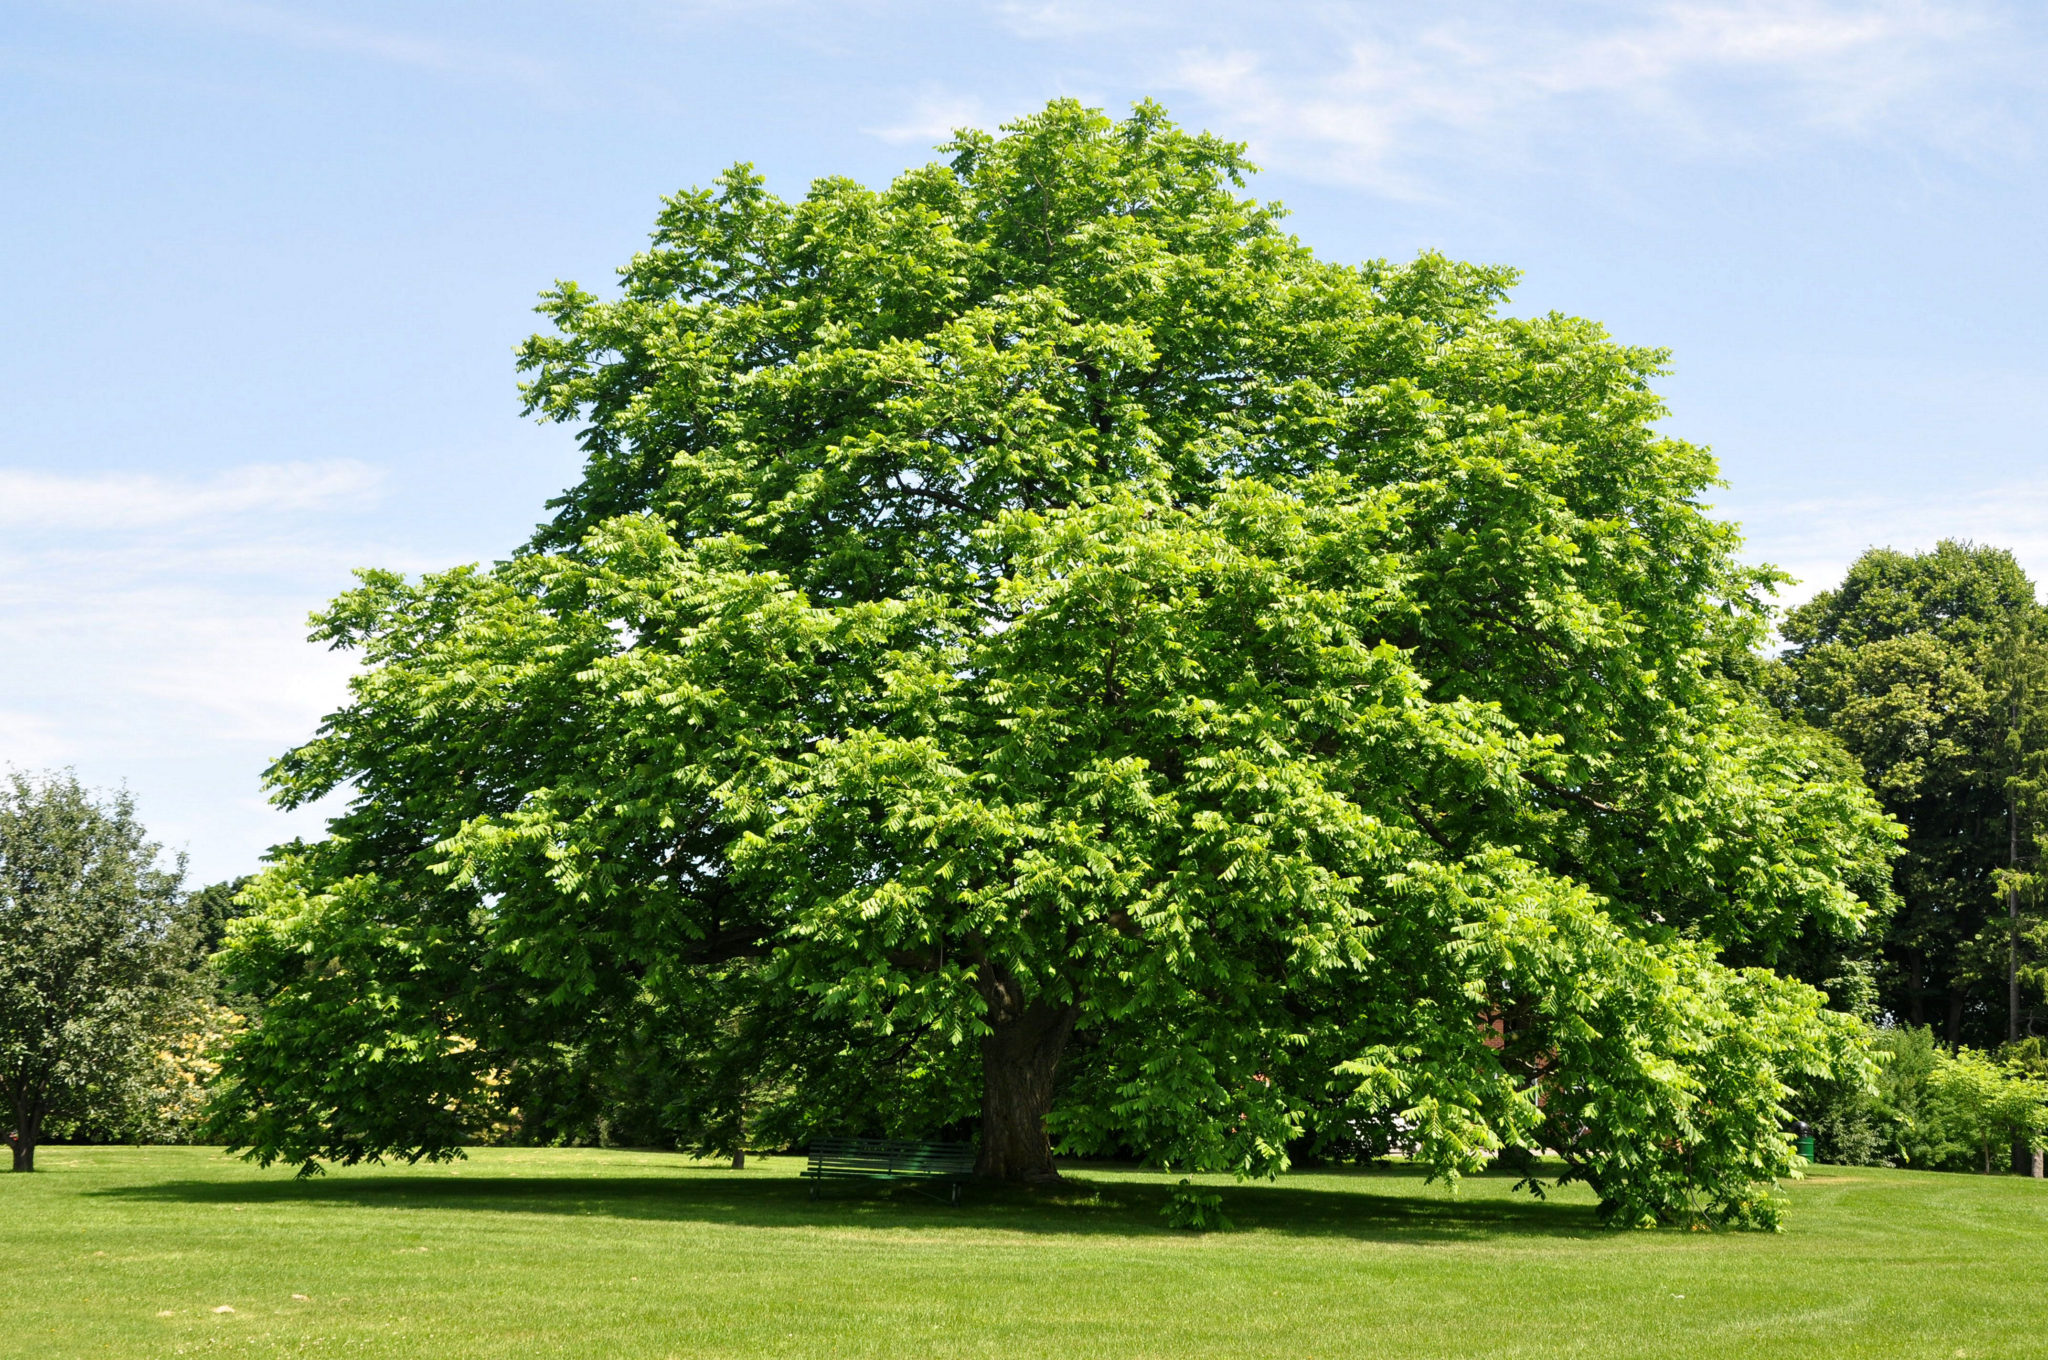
(889,1159)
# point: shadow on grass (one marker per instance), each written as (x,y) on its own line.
(1081,1207)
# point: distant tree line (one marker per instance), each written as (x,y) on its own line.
(1931,670)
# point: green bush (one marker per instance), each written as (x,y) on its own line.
(1195,1210)
(1932,1108)
(1976,1109)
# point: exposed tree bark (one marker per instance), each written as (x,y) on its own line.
(28,1131)
(2012,911)
(1019,1058)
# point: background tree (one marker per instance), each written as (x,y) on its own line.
(1940,1109)
(1928,668)
(1973,1110)
(213,907)
(97,959)
(2018,681)
(1035,651)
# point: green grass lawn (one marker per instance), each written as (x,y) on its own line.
(512,1253)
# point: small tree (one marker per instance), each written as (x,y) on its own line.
(1977,1104)
(96,956)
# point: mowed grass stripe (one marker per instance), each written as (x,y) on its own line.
(601,1253)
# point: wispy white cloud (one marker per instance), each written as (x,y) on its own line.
(34,499)
(175,607)
(153,628)
(1384,96)
(303,28)
(1372,96)
(1067,19)
(31,741)
(1817,539)
(933,117)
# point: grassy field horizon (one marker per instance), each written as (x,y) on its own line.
(580,1252)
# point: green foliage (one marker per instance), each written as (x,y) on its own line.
(1932,1107)
(2029,1056)
(1908,1059)
(214,906)
(176,1085)
(364,992)
(1931,669)
(1876,1121)
(98,966)
(1036,638)
(1976,1109)
(1196,1210)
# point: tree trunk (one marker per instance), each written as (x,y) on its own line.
(1019,1058)
(2012,909)
(2026,1159)
(28,1131)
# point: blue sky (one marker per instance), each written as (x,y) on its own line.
(265,264)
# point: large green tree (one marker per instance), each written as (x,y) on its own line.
(1929,667)
(1035,649)
(98,959)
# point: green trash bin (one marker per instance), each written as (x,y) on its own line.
(1806,1146)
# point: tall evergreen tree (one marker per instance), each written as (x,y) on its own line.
(1929,668)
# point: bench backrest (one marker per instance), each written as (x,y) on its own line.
(891,1157)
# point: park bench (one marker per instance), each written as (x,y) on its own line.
(889,1159)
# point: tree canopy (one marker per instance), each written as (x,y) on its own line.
(1035,651)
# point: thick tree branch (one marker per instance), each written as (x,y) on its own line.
(1428,828)
(738,942)
(1562,792)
